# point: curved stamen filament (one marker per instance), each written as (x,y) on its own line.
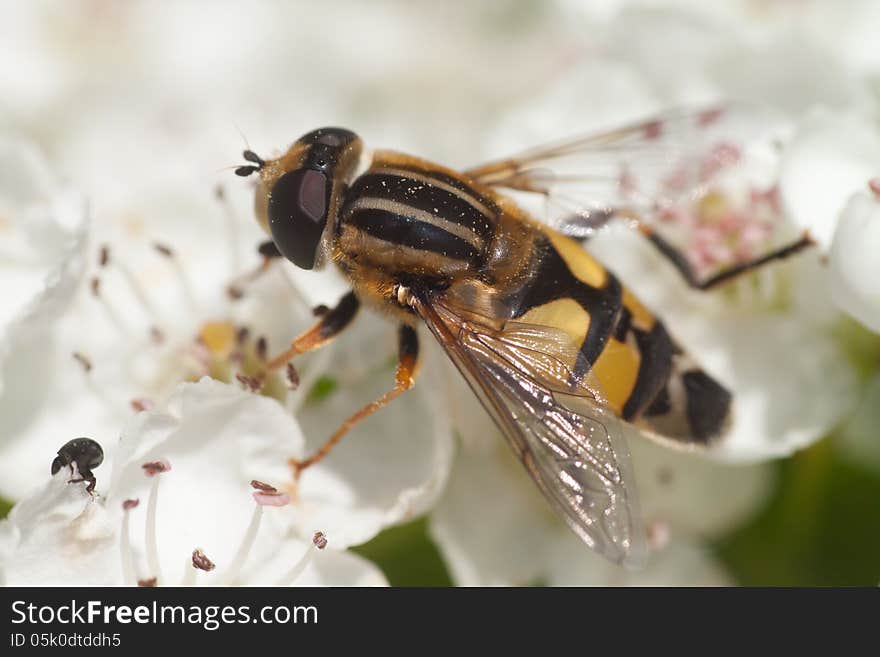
(129,576)
(244,549)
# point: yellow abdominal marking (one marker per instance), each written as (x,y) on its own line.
(578,261)
(563,314)
(616,371)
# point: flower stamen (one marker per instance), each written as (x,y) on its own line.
(183,281)
(264,495)
(319,542)
(232,232)
(153,469)
(127,554)
(140,294)
(112,314)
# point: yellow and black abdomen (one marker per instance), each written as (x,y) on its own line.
(645,376)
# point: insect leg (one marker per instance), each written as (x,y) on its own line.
(679,261)
(330,325)
(404,379)
(270,253)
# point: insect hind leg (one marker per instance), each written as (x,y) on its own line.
(680,262)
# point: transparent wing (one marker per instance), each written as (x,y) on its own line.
(570,443)
(705,179)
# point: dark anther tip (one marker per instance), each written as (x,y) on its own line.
(245,171)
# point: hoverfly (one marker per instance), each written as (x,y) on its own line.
(559,352)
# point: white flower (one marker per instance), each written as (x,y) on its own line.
(828,183)
(163,315)
(187,503)
(831,156)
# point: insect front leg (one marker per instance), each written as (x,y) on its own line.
(331,324)
(269,253)
(404,379)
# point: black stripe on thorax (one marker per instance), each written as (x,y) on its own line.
(451,181)
(407,231)
(428,197)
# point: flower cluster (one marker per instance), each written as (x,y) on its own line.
(133,319)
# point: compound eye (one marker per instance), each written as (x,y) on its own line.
(298,214)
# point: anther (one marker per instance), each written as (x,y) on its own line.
(292,377)
(252,383)
(127,505)
(245,171)
(163,249)
(156,335)
(262,348)
(874,186)
(241,335)
(103,256)
(142,404)
(96,286)
(320,310)
(320,540)
(152,468)
(82,360)
(202,562)
(150,583)
(263,486)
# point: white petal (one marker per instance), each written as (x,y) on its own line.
(831,156)
(60,536)
(692,495)
(681,563)
(335,568)
(217,439)
(855,264)
(41,254)
(492,525)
